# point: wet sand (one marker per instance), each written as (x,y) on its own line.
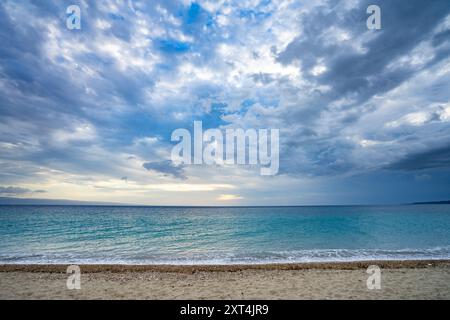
(347,280)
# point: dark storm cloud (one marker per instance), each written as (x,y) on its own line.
(431,159)
(15,191)
(43,96)
(404,25)
(166,168)
(353,76)
(80,101)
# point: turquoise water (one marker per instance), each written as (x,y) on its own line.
(154,235)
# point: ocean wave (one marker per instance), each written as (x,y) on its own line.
(262,257)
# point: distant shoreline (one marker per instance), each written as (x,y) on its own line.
(351,265)
(433,202)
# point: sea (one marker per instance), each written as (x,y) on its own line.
(221,235)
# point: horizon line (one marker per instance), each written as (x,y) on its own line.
(82,203)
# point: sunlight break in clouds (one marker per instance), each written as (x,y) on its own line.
(229,197)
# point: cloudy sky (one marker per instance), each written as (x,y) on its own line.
(364,115)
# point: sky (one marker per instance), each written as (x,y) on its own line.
(364,115)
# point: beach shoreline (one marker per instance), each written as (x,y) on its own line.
(418,279)
(185,268)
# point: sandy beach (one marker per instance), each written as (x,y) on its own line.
(399,280)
